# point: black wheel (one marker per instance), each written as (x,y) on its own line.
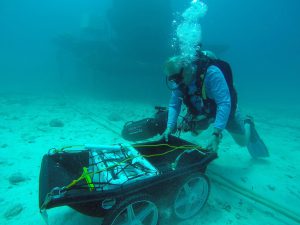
(134,210)
(191,196)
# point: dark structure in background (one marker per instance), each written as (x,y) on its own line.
(130,50)
(143,28)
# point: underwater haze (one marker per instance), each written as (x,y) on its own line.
(61,44)
(74,72)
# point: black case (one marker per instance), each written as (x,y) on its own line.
(146,128)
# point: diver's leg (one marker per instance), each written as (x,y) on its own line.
(244,133)
(238,129)
(242,139)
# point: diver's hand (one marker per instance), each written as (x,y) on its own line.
(166,134)
(213,143)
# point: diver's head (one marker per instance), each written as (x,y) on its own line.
(179,72)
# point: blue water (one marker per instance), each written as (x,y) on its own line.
(259,39)
(116,50)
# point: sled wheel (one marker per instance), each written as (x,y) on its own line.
(191,196)
(134,210)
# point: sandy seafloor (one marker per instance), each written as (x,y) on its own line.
(25,136)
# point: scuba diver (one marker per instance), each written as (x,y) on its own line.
(205,86)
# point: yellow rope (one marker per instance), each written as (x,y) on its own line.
(85,173)
(138,146)
(171,146)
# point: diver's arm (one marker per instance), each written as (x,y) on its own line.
(174,109)
(217,89)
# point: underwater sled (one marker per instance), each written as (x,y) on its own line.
(127,184)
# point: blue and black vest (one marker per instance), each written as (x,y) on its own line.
(210,106)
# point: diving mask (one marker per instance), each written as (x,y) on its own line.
(174,81)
